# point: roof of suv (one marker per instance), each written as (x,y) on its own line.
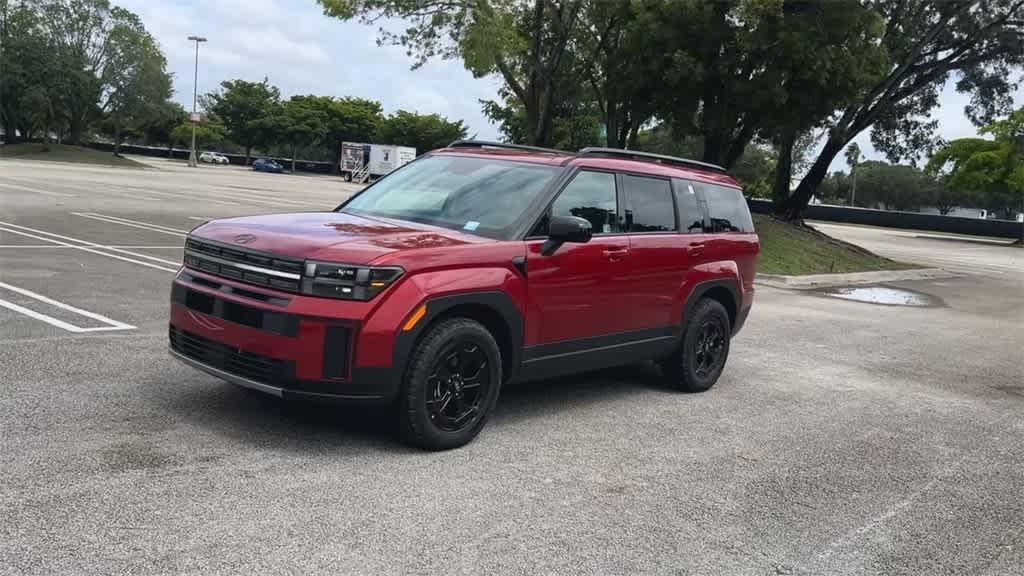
(606,158)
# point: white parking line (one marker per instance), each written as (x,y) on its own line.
(7,227)
(230,198)
(58,246)
(34,190)
(133,223)
(110,323)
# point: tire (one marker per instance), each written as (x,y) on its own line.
(698,361)
(437,410)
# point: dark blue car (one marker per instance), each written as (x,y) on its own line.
(264,165)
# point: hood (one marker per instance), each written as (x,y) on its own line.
(329,236)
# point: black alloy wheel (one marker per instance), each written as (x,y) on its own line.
(699,359)
(709,349)
(451,384)
(458,382)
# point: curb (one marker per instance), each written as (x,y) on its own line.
(813,281)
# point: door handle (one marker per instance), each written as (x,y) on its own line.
(615,254)
(696,248)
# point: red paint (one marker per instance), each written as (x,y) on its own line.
(614,283)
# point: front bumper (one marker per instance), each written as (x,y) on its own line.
(265,341)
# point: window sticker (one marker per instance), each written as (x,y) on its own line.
(471,225)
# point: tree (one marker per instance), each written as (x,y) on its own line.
(136,80)
(576,122)
(156,128)
(210,132)
(348,120)
(946,198)
(30,97)
(527,44)
(67,63)
(735,71)
(835,188)
(853,157)
(302,123)
(891,186)
(424,132)
(82,36)
(246,109)
(980,41)
(620,65)
(992,169)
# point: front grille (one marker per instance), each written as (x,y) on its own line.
(233,360)
(245,265)
(270,321)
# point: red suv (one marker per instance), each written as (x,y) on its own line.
(474,265)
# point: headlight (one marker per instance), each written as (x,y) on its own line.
(346,281)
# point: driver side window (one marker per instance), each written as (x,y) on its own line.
(591,196)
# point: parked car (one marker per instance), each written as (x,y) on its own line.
(468,268)
(266,165)
(213,158)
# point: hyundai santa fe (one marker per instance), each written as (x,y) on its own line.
(471,267)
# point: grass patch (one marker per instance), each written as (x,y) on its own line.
(65,153)
(792,250)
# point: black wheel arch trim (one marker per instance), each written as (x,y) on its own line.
(437,306)
(703,287)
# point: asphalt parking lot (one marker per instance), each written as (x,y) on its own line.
(843,438)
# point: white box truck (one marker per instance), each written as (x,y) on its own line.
(379,158)
(384,158)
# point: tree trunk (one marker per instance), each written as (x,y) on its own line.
(293,157)
(75,130)
(611,124)
(117,137)
(634,132)
(796,203)
(545,126)
(248,150)
(46,132)
(783,169)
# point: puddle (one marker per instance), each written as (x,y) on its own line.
(883,295)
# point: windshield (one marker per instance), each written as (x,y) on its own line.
(479,195)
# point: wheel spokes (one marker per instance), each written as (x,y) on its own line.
(457,385)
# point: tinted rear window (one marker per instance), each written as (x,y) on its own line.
(727,209)
(691,219)
(649,206)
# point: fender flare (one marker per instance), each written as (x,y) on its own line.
(702,288)
(497,301)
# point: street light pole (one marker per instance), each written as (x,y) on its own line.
(195,86)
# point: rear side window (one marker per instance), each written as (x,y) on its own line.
(691,219)
(727,209)
(649,206)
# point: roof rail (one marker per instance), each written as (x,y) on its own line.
(660,158)
(488,144)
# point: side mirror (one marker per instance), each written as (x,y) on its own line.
(562,229)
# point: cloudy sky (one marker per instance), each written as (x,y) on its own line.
(302,51)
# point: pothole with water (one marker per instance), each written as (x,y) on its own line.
(883,295)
